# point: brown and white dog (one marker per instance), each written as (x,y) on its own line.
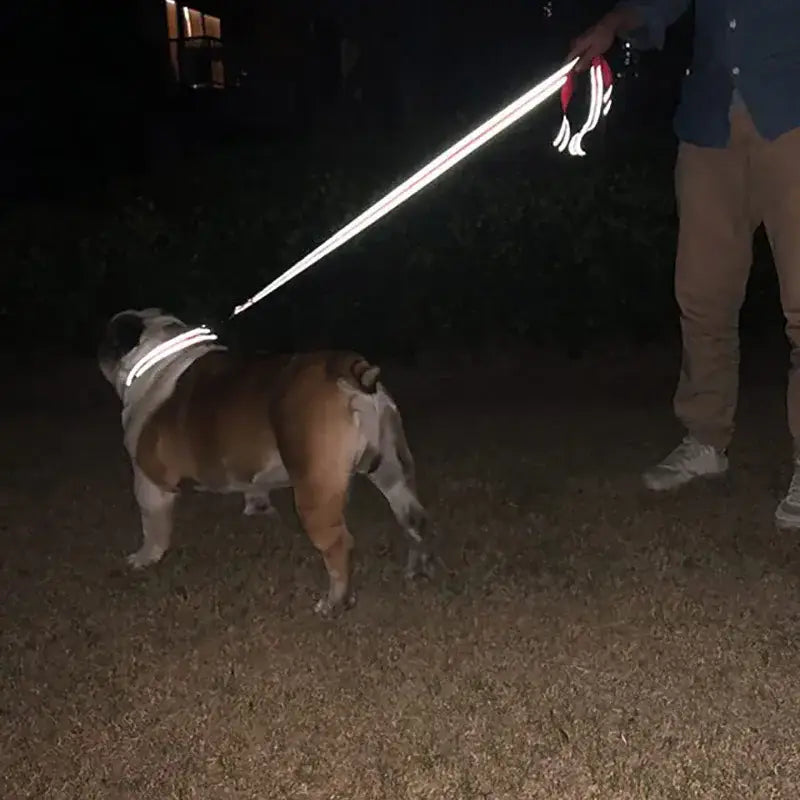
(232,424)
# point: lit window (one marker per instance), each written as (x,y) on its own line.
(195,46)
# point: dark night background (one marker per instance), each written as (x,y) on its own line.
(582,637)
(126,185)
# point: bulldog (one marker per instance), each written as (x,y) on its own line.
(194,413)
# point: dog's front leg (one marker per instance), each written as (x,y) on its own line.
(155,505)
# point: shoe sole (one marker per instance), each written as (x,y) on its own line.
(783,524)
(710,476)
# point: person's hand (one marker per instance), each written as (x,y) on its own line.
(598,39)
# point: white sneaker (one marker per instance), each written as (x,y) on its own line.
(690,460)
(787,514)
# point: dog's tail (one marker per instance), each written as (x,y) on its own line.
(365,374)
(356,372)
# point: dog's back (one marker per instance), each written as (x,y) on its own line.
(228,414)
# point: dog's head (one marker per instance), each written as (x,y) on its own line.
(131,335)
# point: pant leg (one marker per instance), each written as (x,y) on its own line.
(715,243)
(776,178)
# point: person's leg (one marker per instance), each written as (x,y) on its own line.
(715,238)
(776,170)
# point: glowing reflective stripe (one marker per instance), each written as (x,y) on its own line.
(169,348)
(439,165)
(562,140)
(607,100)
(599,105)
(595,108)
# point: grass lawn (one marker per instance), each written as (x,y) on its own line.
(582,638)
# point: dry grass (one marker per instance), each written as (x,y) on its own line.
(585,641)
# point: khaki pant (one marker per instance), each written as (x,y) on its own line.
(723,195)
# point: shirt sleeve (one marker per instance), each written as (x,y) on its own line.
(657,16)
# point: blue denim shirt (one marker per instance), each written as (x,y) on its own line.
(743,49)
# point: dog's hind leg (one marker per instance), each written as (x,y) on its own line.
(319,459)
(392,471)
(320,507)
(409,512)
(156,506)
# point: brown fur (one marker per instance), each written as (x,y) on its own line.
(313,418)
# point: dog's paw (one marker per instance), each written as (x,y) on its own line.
(144,557)
(256,505)
(327,609)
(324,608)
(420,565)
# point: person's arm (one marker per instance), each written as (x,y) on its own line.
(643,23)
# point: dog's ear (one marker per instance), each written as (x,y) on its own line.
(123,335)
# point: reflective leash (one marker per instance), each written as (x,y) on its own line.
(563,79)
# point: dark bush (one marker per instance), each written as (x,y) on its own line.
(516,243)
